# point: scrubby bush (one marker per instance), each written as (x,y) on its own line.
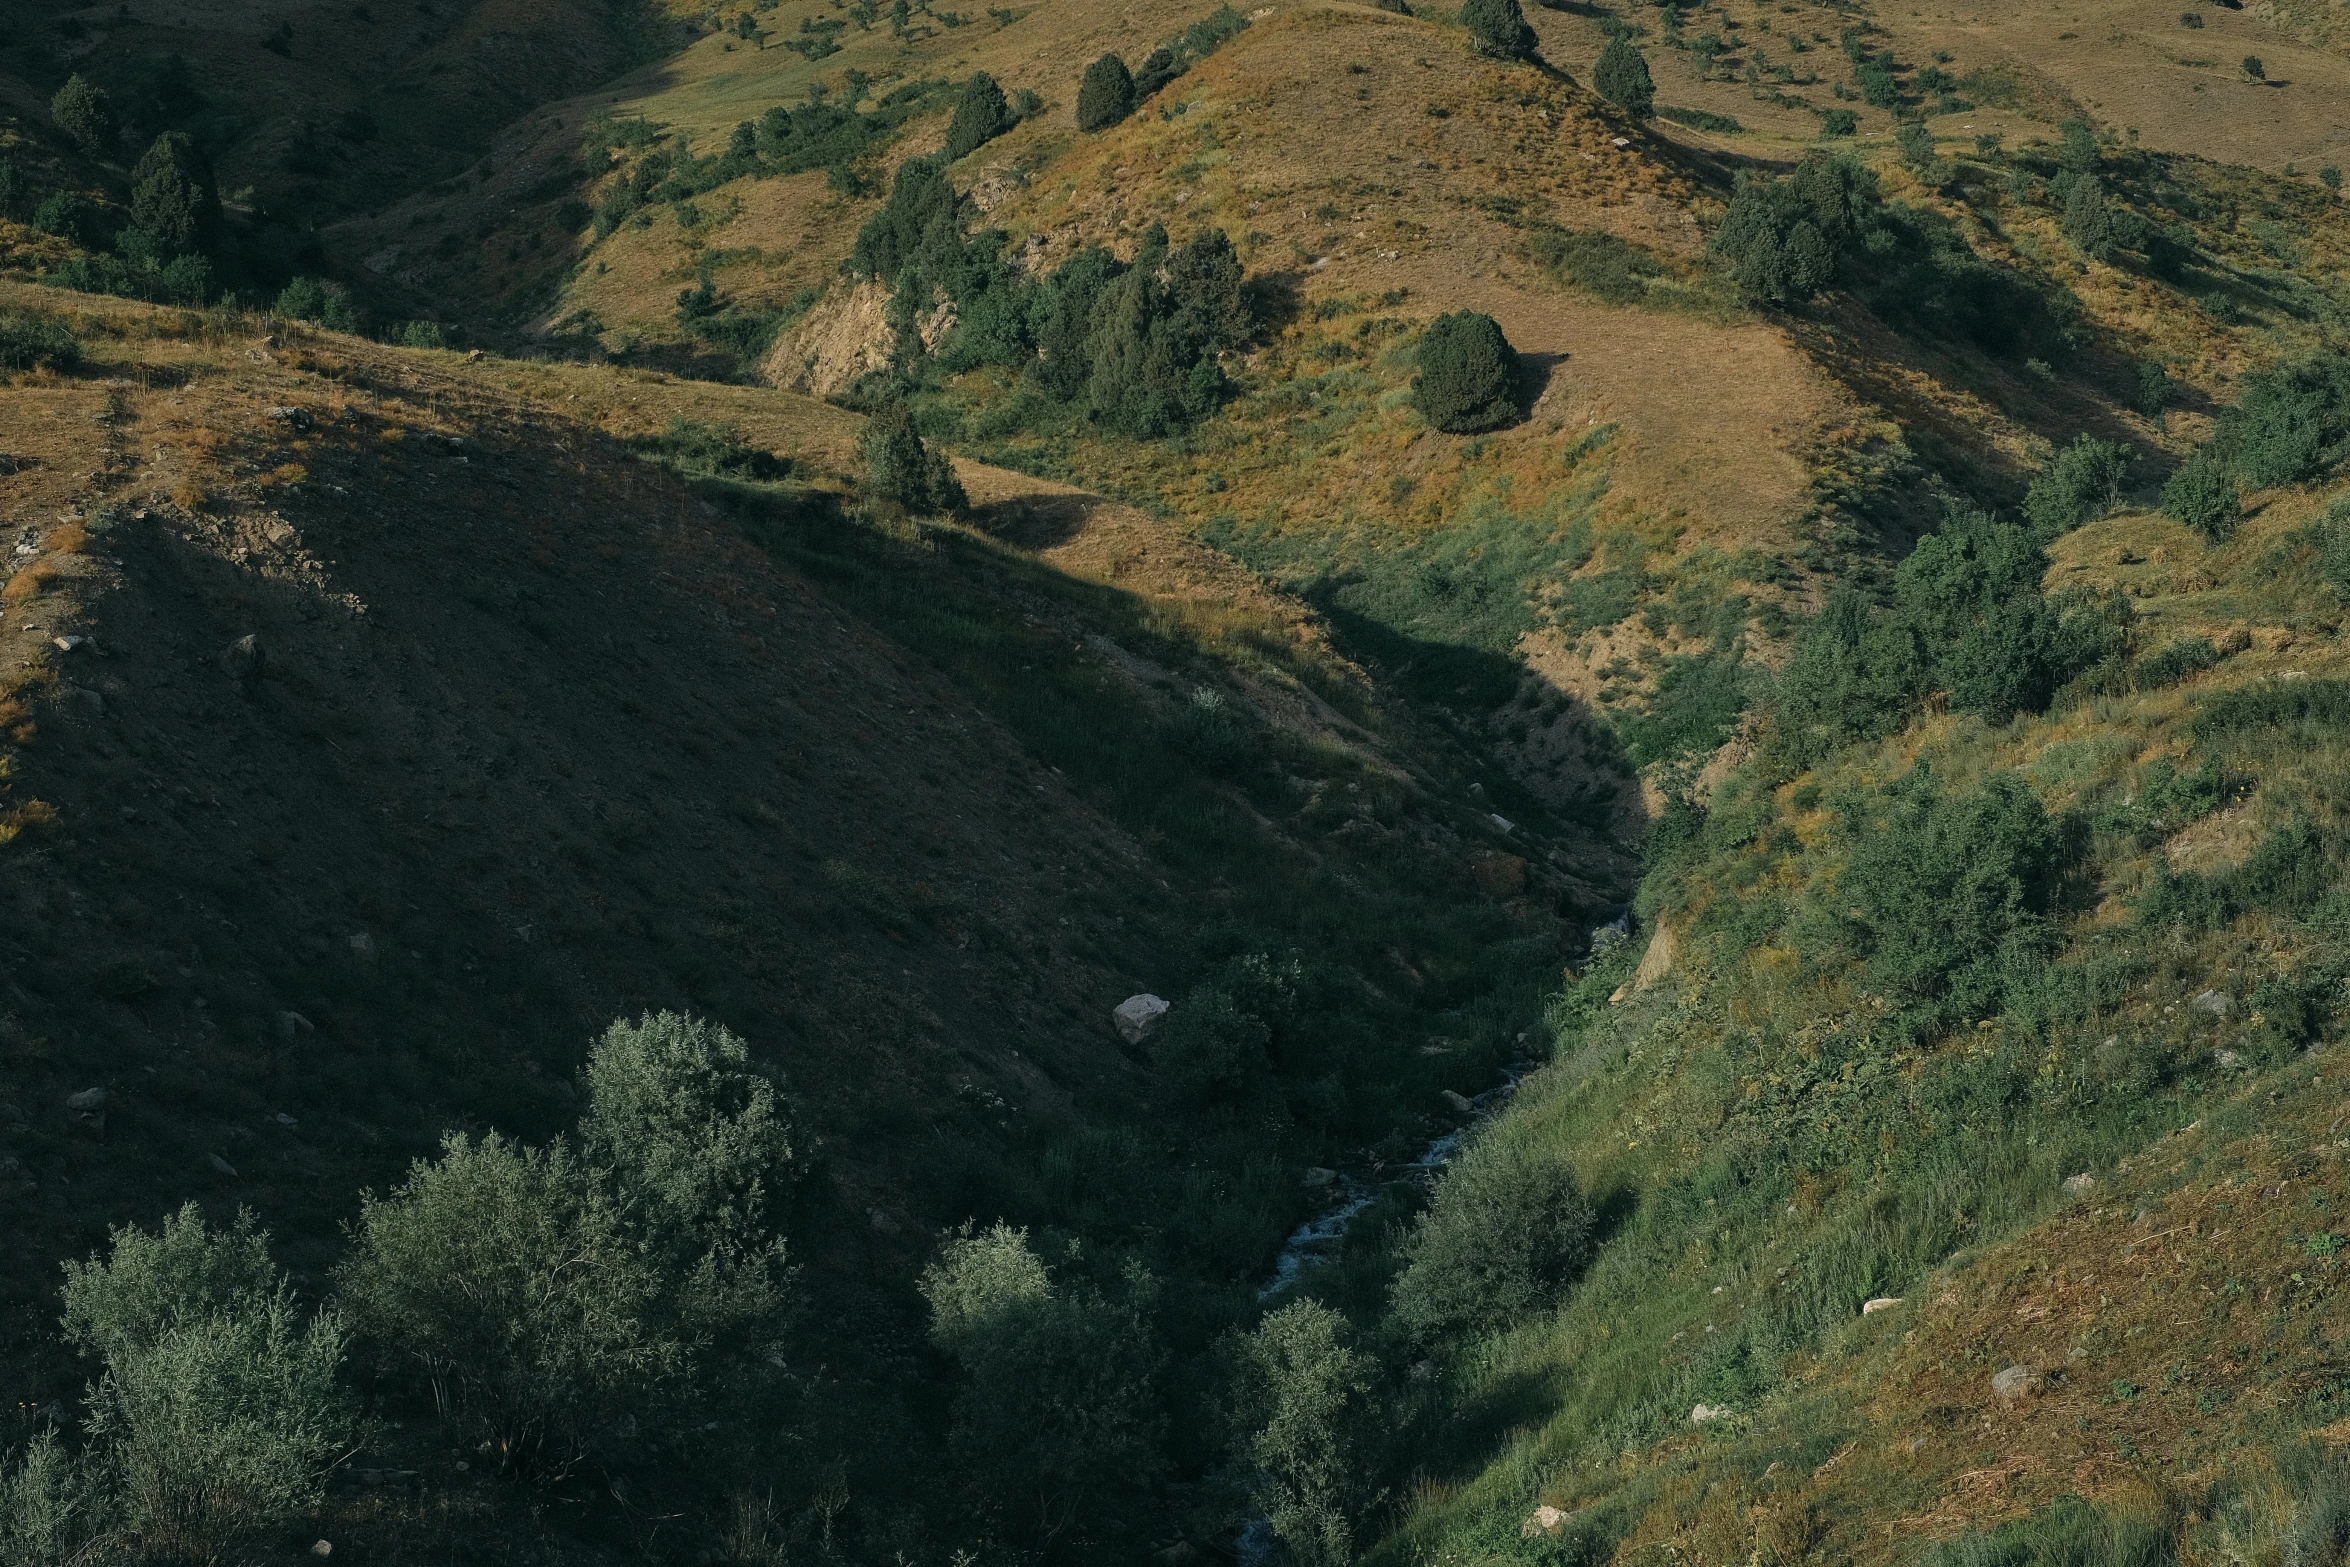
(29,341)
(70,216)
(918,218)
(84,112)
(1621,76)
(1105,94)
(218,1412)
(2079,484)
(1469,374)
(1212,731)
(1305,1414)
(2088,221)
(1057,1421)
(1498,28)
(1854,674)
(2187,656)
(711,451)
(1210,1050)
(2202,492)
(510,1280)
(52,1508)
(1949,893)
(699,1138)
(981,115)
(328,304)
(901,468)
(1505,1232)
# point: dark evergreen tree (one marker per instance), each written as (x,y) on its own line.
(900,467)
(981,115)
(2088,221)
(1468,378)
(1785,238)
(1159,67)
(1498,28)
(84,112)
(917,221)
(1155,333)
(1105,95)
(1065,320)
(1621,76)
(175,205)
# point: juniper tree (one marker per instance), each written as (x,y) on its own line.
(1498,28)
(981,115)
(1468,376)
(1621,76)
(175,206)
(1105,95)
(900,467)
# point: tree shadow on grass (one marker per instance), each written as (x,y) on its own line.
(1036,521)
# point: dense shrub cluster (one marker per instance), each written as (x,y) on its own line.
(1967,618)
(1620,75)
(2291,426)
(1108,91)
(1504,1233)
(902,469)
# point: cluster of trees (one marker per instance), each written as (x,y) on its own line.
(1133,345)
(2292,425)
(1966,619)
(1108,91)
(606,1295)
(168,242)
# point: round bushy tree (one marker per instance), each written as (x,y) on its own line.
(981,115)
(1305,1403)
(1621,76)
(2202,493)
(900,467)
(1498,28)
(2088,221)
(1105,95)
(83,111)
(1468,378)
(1503,1235)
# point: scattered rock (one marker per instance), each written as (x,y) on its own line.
(2224,1057)
(2079,1185)
(1138,1017)
(88,1101)
(1705,1412)
(882,1223)
(1500,822)
(300,419)
(243,660)
(1181,1554)
(2218,1003)
(293,1025)
(1604,938)
(1869,1308)
(68,643)
(220,1166)
(81,701)
(285,1120)
(323,1548)
(1499,875)
(1317,1176)
(1461,1103)
(363,945)
(2015,1382)
(1544,1520)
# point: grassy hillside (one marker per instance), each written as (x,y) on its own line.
(609,519)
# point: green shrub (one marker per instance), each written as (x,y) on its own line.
(2088,221)
(2293,422)
(2188,656)
(1621,76)
(1598,263)
(1155,332)
(1208,1049)
(981,115)
(1105,94)
(2319,708)
(1839,122)
(2330,537)
(2077,146)
(423,334)
(1498,28)
(218,1413)
(2166,800)
(2067,1533)
(2202,493)
(711,451)
(700,1139)
(902,469)
(52,1508)
(1854,674)
(150,1284)
(1699,119)
(72,217)
(1469,374)
(32,341)
(1785,239)
(509,1279)
(1306,1416)
(224,1427)
(84,112)
(918,217)
(2155,389)
(1950,892)
(2080,483)
(1213,731)
(1057,1421)
(1505,1232)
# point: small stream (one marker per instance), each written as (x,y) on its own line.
(1312,1240)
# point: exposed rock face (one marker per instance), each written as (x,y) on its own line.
(1657,961)
(2016,1382)
(846,336)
